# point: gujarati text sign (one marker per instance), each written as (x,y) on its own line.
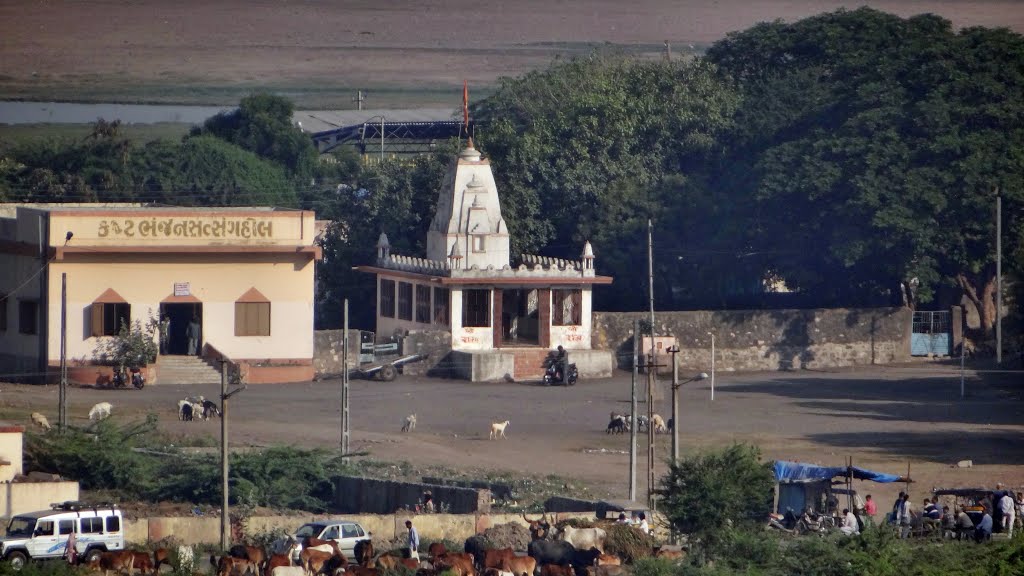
(202,228)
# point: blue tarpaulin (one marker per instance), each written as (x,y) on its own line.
(800,472)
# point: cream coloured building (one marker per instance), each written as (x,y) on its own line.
(244,274)
(504,314)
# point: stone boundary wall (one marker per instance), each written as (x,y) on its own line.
(327,356)
(766,339)
(432,527)
(353,494)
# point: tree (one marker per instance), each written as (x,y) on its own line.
(867,148)
(580,148)
(707,494)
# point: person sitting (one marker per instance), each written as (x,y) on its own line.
(983,531)
(850,526)
(622,518)
(931,515)
(643,524)
(963,525)
(561,364)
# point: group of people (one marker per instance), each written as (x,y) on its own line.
(1003,507)
(640,522)
(192,333)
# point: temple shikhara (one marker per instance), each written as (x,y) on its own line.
(504,314)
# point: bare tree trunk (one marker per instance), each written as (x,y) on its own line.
(981,291)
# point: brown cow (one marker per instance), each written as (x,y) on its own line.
(436,549)
(669,554)
(228,565)
(277,560)
(388,562)
(608,560)
(312,542)
(313,561)
(246,552)
(364,553)
(160,556)
(494,557)
(361,571)
(556,570)
(142,562)
(519,565)
(460,564)
(119,561)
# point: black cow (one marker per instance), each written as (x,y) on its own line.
(477,547)
(552,552)
(583,558)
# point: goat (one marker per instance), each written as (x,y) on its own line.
(410,423)
(100,411)
(498,429)
(186,413)
(40,420)
(210,409)
(659,424)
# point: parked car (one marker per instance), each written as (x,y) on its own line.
(44,535)
(345,532)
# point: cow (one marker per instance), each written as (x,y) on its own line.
(551,552)
(436,549)
(286,571)
(387,562)
(496,572)
(314,560)
(278,561)
(246,552)
(100,411)
(608,560)
(498,429)
(557,570)
(606,570)
(584,538)
(669,554)
(519,565)
(475,546)
(363,553)
(143,563)
(539,529)
(459,564)
(229,565)
(494,557)
(119,561)
(40,421)
(362,571)
(583,558)
(312,542)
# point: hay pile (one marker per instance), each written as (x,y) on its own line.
(511,535)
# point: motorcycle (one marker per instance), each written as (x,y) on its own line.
(552,375)
(120,379)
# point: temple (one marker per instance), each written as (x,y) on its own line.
(504,316)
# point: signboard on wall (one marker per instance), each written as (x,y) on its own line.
(182,289)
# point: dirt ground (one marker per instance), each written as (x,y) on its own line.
(885,418)
(402,53)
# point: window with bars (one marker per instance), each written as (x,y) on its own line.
(423,304)
(404,301)
(441,299)
(476,308)
(387,298)
(108,317)
(567,307)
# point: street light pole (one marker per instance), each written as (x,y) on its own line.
(999,278)
(382,138)
(674,351)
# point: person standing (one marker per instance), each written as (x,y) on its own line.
(414,541)
(165,333)
(70,549)
(904,516)
(1008,508)
(193,335)
(870,509)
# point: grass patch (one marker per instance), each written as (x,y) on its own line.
(16,134)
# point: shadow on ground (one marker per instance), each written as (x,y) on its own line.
(945,447)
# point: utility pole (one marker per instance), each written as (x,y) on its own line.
(651,368)
(225,524)
(674,351)
(62,409)
(359,99)
(632,410)
(345,430)
(999,278)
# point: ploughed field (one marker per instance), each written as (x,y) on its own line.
(883,417)
(401,53)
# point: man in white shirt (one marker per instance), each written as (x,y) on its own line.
(1008,508)
(904,516)
(850,526)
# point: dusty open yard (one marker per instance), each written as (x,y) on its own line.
(402,53)
(883,417)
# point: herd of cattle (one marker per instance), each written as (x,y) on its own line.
(567,551)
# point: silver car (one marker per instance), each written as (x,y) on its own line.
(345,532)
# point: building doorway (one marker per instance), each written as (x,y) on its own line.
(519,317)
(180,315)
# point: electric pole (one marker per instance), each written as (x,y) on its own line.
(674,351)
(632,410)
(999,278)
(651,368)
(345,425)
(225,524)
(62,408)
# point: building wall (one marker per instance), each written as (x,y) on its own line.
(20,497)
(10,450)
(767,339)
(216,280)
(576,337)
(469,338)
(388,327)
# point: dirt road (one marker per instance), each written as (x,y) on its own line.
(883,417)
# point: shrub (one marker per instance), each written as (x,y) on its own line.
(627,542)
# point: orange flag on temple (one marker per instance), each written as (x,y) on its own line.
(465,103)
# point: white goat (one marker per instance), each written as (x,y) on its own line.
(100,411)
(40,420)
(498,429)
(659,424)
(410,423)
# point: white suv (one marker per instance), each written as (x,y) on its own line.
(45,534)
(345,532)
